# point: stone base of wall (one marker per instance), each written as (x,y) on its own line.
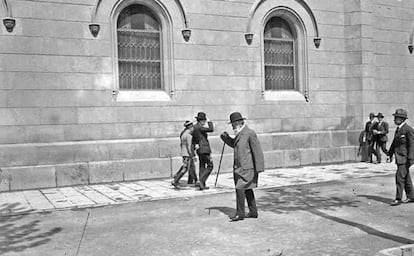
(30,166)
(406,250)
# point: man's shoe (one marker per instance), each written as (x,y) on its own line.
(409,200)
(236,218)
(175,184)
(396,202)
(250,215)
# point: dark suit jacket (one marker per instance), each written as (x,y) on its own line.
(368,130)
(248,158)
(382,129)
(200,137)
(403,145)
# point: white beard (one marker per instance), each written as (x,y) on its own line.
(237,129)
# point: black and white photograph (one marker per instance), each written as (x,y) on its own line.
(206,127)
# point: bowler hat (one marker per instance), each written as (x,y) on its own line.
(201,116)
(188,123)
(380,115)
(235,116)
(401,113)
(371,114)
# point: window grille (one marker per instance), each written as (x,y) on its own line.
(279,56)
(139,49)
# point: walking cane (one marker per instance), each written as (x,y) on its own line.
(221,158)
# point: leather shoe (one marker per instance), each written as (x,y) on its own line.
(236,218)
(409,200)
(396,202)
(250,215)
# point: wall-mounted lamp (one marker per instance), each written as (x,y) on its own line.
(248,37)
(317,41)
(9,23)
(186,34)
(410,48)
(94,28)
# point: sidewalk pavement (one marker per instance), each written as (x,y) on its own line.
(86,196)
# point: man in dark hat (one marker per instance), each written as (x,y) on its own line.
(187,152)
(200,142)
(370,137)
(248,162)
(380,131)
(403,148)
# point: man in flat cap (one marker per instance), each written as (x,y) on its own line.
(248,162)
(403,148)
(187,152)
(202,146)
(380,131)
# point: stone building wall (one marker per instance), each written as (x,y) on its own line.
(63,124)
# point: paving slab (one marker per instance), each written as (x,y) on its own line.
(144,190)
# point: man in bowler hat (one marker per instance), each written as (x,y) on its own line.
(403,148)
(380,131)
(370,137)
(200,142)
(248,162)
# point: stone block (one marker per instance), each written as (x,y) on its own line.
(291,158)
(292,141)
(353,137)
(19,116)
(108,171)
(12,134)
(309,156)
(58,116)
(55,153)
(274,159)
(350,153)
(147,168)
(32,177)
(169,147)
(44,133)
(72,174)
(321,140)
(266,142)
(332,155)
(4,179)
(339,138)
(97,115)
(18,155)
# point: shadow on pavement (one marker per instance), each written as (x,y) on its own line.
(226,210)
(16,237)
(377,198)
(290,199)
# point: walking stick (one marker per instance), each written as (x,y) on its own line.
(221,158)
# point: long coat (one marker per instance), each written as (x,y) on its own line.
(200,137)
(403,145)
(248,158)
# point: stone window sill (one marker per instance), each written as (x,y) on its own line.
(136,96)
(283,96)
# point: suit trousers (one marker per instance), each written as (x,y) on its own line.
(206,166)
(380,145)
(403,182)
(241,196)
(188,165)
(371,150)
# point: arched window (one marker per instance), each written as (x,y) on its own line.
(139,49)
(280,55)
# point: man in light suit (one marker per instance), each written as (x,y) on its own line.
(380,131)
(403,148)
(248,162)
